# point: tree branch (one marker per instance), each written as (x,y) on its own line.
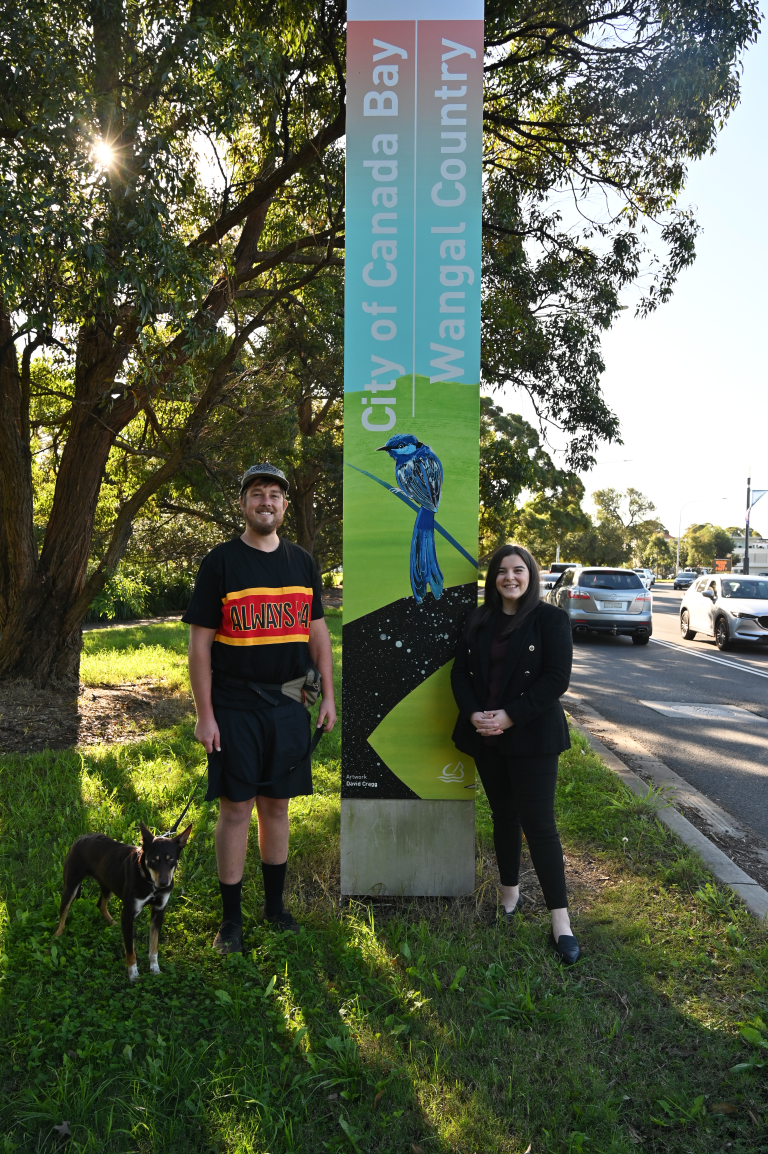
(266,188)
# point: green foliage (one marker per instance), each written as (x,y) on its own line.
(701,544)
(124,594)
(719,902)
(566,115)
(553,519)
(127,131)
(143,81)
(645,804)
(512,462)
(677,1113)
(523,1000)
(755,1033)
(622,533)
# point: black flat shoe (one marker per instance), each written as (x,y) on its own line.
(503,916)
(566,948)
(229,939)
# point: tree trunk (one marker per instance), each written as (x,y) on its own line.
(18,551)
(302,494)
(40,591)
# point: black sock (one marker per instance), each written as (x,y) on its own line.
(274,881)
(230,900)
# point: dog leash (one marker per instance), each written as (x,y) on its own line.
(319,731)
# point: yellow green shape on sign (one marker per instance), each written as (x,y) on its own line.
(414,740)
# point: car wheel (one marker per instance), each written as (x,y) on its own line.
(640,639)
(688,634)
(722,634)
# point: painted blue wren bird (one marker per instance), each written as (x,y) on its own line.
(419,474)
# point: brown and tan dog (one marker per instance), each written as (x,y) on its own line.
(139,875)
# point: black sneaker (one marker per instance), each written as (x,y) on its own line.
(282,921)
(229,939)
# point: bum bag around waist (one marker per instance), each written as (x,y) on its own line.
(305,690)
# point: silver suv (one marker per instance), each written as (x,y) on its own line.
(730,608)
(603,600)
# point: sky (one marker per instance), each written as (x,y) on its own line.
(690,383)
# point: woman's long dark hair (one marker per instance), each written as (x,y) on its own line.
(493,603)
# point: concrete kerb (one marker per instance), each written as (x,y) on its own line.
(754,897)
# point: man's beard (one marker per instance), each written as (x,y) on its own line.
(261,527)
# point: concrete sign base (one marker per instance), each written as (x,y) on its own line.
(407,848)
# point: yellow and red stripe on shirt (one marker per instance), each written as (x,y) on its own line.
(269,616)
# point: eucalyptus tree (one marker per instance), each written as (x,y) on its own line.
(593,111)
(118,254)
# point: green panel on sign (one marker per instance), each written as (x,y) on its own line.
(414,740)
(376,569)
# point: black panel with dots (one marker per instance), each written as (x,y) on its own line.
(387,654)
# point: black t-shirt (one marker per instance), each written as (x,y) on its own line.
(260,605)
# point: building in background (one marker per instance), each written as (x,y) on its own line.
(758,552)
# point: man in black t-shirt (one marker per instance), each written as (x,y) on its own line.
(256,616)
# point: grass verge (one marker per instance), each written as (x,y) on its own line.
(139,653)
(385,1026)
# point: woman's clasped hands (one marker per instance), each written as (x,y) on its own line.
(491,722)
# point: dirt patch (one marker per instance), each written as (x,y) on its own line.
(125,712)
(750,853)
(35,719)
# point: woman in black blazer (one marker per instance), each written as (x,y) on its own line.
(513,663)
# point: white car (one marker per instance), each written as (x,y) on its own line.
(729,608)
(647,577)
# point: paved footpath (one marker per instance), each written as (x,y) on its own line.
(724,757)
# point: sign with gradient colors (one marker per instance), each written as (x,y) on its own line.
(412,378)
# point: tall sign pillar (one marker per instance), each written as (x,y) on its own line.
(411,438)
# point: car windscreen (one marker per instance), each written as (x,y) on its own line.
(610,581)
(746,590)
(686,577)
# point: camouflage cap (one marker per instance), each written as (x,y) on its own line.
(265,470)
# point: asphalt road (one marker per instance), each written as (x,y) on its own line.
(726,760)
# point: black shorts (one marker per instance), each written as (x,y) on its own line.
(264,751)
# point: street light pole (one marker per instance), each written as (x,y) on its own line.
(745,566)
(679,528)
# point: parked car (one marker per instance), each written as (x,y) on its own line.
(599,599)
(729,608)
(546,581)
(548,577)
(647,577)
(684,580)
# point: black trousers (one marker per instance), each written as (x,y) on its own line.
(521,792)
